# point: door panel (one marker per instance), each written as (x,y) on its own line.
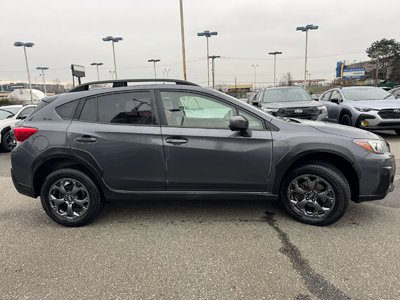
(118,130)
(217,159)
(131,157)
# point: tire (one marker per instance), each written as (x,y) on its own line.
(315,206)
(70,198)
(397,131)
(345,120)
(8,142)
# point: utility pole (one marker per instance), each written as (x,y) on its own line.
(183,40)
(213,57)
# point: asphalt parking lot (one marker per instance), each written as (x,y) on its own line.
(197,249)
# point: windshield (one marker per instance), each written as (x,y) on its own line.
(285,95)
(356,94)
(5,113)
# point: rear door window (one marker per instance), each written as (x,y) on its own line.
(126,108)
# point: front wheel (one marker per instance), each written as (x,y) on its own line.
(70,198)
(316,193)
(345,120)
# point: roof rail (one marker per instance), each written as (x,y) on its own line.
(124,82)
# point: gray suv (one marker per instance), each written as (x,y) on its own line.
(89,145)
(366,107)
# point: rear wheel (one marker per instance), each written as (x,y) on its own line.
(8,142)
(70,198)
(345,120)
(316,193)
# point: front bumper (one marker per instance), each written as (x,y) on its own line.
(376,122)
(377,178)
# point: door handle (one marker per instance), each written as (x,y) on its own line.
(85,139)
(176,140)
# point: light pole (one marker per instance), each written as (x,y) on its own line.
(44,80)
(306,29)
(154,60)
(166,72)
(29,45)
(255,74)
(275,53)
(207,34)
(97,67)
(113,40)
(213,57)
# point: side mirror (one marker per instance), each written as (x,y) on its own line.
(22,117)
(337,101)
(316,98)
(239,123)
(255,102)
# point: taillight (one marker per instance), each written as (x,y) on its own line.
(23,133)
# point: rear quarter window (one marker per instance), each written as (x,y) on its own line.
(66,111)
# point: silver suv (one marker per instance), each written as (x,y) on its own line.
(365,107)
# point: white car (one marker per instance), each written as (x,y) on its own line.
(9,115)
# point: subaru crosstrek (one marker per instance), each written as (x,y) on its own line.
(89,145)
(366,107)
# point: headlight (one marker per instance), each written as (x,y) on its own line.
(322,110)
(363,109)
(375,146)
(270,110)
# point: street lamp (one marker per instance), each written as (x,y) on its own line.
(275,54)
(166,72)
(97,67)
(255,74)
(29,45)
(213,57)
(44,81)
(207,34)
(306,29)
(113,40)
(154,60)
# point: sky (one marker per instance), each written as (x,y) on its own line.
(71,32)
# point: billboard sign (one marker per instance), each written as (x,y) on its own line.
(78,70)
(353,73)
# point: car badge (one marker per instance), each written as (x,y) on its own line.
(298,111)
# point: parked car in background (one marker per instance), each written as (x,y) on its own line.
(81,148)
(292,102)
(9,115)
(395,92)
(366,107)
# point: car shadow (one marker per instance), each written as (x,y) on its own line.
(189,210)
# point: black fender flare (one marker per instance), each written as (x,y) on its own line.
(295,155)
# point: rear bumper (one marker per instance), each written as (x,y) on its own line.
(23,188)
(378,178)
